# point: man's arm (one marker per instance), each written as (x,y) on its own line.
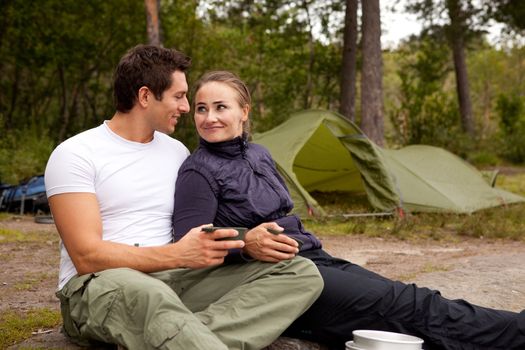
(79,224)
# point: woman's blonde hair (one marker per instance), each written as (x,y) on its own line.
(243,94)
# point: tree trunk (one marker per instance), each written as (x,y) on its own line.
(15,86)
(348,71)
(307,100)
(371,75)
(68,112)
(64,115)
(456,39)
(153,22)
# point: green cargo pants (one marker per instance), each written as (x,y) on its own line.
(239,306)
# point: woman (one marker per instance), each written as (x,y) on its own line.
(228,181)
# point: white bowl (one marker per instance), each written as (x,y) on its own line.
(351,346)
(380,340)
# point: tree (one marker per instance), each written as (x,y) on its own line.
(153,22)
(427,113)
(273,46)
(311,57)
(371,74)
(348,71)
(55,73)
(510,12)
(456,35)
(463,27)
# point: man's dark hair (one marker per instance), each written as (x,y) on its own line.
(145,65)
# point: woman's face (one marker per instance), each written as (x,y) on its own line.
(218,114)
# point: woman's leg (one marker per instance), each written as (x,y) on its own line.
(355,298)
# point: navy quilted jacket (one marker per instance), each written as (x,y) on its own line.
(234,183)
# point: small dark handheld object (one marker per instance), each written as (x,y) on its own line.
(276,232)
(240,230)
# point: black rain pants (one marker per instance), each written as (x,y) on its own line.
(355,298)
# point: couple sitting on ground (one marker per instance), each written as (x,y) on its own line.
(123,280)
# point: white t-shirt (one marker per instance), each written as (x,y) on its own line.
(134,184)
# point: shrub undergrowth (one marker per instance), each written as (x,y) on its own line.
(493,223)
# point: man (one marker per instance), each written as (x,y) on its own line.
(121,279)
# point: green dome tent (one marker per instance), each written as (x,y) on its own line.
(317,150)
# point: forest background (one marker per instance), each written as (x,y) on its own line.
(445,86)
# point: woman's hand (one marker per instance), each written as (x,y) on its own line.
(265,246)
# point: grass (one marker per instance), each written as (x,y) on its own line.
(513,183)
(427,268)
(32,281)
(500,222)
(16,236)
(15,327)
(8,235)
(6,257)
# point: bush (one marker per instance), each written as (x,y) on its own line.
(484,158)
(512,127)
(427,113)
(23,154)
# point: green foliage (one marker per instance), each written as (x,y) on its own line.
(58,58)
(512,127)
(483,158)
(267,44)
(427,112)
(16,327)
(514,183)
(23,154)
(510,109)
(511,12)
(497,85)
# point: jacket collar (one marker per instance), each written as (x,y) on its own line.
(231,149)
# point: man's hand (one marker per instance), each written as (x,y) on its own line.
(265,246)
(200,249)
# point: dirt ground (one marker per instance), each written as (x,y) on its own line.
(485,272)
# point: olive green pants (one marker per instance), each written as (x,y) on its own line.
(239,306)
